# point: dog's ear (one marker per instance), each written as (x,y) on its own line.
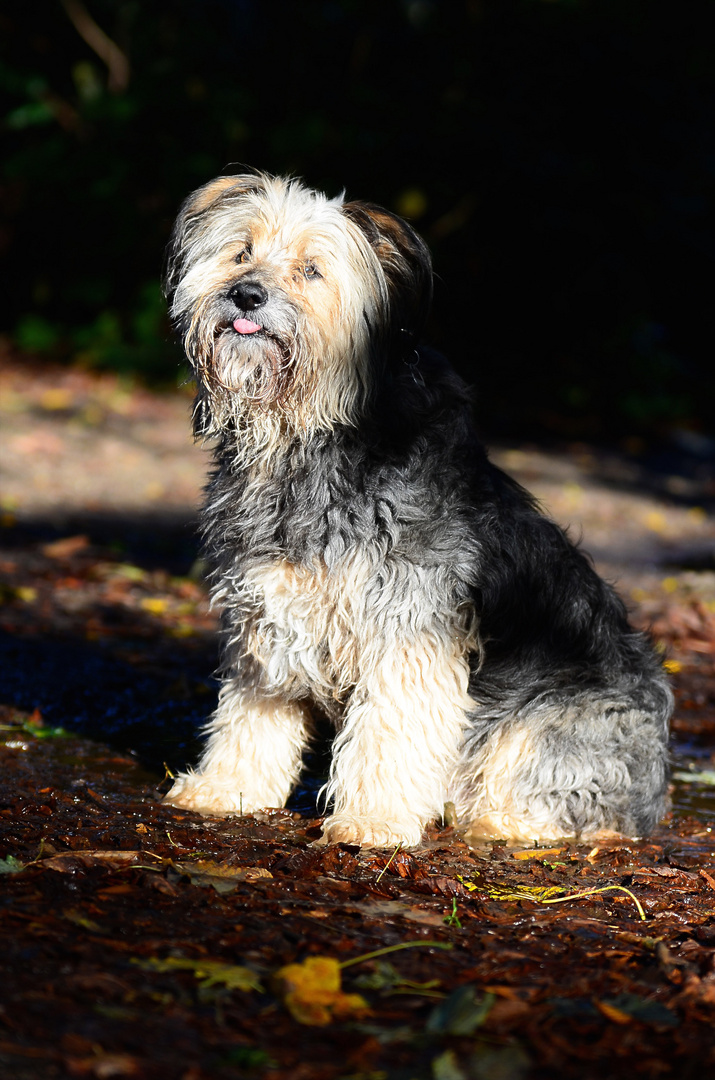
(204,197)
(405,260)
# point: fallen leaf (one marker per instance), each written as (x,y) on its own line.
(707,776)
(77,917)
(707,877)
(461,1013)
(538,853)
(552,894)
(66,862)
(387,979)
(627,1007)
(156,605)
(103,1066)
(446,1067)
(209,972)
(427,918)
(618,1016)
(221,876)
(11,865)
(312,993)
(68,545)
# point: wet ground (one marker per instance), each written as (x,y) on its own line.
(143,941)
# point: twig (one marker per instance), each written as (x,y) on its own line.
(396,948)
(385,867)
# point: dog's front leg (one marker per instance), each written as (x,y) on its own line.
(398,746)
(252,758)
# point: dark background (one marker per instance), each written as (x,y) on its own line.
(558,155)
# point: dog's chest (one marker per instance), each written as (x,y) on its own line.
(303,625)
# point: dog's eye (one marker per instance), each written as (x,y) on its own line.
(244,256)
(310,270)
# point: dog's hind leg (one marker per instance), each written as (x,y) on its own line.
(576,767)
(398,745)
(252,758)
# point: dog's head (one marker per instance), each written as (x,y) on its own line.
(290,303)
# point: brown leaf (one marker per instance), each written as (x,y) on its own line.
(707,877)
(69,861)
(222,876)
(612,1013)
(68,545)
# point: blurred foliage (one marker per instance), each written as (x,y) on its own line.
(558,155)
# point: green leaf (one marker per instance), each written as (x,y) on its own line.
(460,1014)
(446,1067)
(34,112)
(387,978)
(209,972)
(11,865)
(707,776)
(36,334)
(246,1057)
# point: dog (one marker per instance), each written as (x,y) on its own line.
(373,566)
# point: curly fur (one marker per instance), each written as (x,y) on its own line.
(372,563)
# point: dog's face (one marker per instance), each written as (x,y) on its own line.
(289,302)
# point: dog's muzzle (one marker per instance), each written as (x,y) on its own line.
(247,296)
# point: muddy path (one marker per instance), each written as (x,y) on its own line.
(142,941)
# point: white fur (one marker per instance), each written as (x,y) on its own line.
(403,727)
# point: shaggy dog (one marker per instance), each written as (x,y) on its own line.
(372,564)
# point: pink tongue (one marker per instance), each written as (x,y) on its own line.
(245,326)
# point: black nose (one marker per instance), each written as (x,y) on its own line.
(248,295)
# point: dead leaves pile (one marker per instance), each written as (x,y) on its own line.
(72,586)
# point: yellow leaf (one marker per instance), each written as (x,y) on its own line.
(79,919)
(155,604)
(538,853)
(673,666)
(56,399)
(548,894)
(312,994)
(656,521)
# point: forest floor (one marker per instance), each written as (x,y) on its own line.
(144,941)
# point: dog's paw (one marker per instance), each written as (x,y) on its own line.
(497,825)
(341,829)
(210,795)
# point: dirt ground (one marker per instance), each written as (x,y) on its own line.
(142,941)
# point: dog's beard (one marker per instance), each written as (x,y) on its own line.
(259,368)
(298,374)
(243,372)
